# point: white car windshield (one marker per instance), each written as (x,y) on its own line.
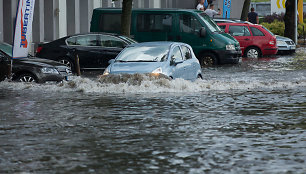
(143,54)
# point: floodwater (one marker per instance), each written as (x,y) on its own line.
(246,118)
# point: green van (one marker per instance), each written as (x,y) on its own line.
(210,44)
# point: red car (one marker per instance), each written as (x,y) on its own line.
(255,40)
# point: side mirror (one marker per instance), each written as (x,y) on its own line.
(111,61)
(203,32)
(175,62)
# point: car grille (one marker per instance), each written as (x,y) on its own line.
(63,70)
(290,42)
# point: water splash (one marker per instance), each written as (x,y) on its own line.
(150,84)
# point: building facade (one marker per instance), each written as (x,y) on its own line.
(57,18)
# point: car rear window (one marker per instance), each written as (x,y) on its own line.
(83,40)
(111,41)
(256,32)
(268,30)
(239,30)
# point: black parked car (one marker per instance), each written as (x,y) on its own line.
(94,49)
(31,69)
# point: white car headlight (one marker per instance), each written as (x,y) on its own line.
(48,70)
(157,71)
(230,47)
(280,42)
(106,72)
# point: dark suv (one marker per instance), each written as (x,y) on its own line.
(31,69)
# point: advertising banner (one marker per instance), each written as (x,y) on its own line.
(226,8)
(300,11)
(278,6)
(23,28)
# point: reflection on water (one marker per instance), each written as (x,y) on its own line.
(248,118)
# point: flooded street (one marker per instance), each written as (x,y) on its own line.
(246,118)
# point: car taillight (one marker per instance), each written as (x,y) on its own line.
(272,43)
(38,50)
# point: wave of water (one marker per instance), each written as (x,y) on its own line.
(149,84)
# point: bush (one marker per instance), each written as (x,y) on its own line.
(278,27)
(273,17)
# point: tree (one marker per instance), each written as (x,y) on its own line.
(245,10)
(126,17)
(289,19)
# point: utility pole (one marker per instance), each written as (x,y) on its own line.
(295,22)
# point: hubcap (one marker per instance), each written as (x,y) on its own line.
(66,62)
(252,53)
(27,79)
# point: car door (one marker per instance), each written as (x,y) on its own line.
(188,32)
(242,34)
(4,67)
(110,47)
(179,69)
(86,47)
(190,65)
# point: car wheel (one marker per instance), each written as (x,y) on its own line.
(67,62)
(252,52)
(27,78)
(200,77)
(208,59)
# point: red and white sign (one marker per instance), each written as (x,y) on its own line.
(23,29)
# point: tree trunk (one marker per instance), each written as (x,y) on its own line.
(126,17)
(245,10)
(289,19)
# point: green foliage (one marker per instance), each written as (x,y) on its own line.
(278,27)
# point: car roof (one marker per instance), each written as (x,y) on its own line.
(240,24)
(151,9)
(88,33)
(157,43)
(231,20)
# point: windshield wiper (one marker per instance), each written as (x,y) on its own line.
(142,61)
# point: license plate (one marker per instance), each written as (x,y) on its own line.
(293,47)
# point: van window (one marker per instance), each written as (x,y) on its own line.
(110,22)
(186,53)
(189,24)
(109,41)
(239,31)
(256,32)
(213,27)
(154,23)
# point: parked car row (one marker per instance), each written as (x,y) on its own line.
(257,43)
(192,34)
(31,69)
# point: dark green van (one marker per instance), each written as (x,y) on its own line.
(210,44)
